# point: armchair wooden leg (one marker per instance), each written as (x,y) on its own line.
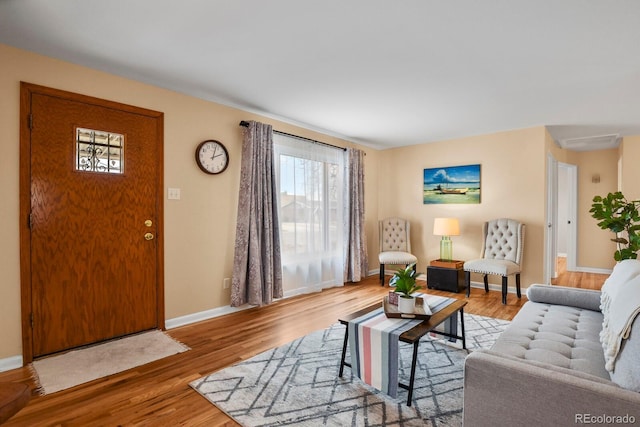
(467,281)
(504,289)
(486,283)
(518,285)
(381,274)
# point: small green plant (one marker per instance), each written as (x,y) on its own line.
(620,216)
(405,281)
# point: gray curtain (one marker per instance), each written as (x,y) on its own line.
(257,270)
(355,239)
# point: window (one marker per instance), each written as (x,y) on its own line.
(310,180)
(99,151)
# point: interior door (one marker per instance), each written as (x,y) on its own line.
(95,211)
(551,252)
(570,199)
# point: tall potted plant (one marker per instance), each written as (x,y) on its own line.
(622,217)
(405,282)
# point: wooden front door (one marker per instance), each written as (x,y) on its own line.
(91,185)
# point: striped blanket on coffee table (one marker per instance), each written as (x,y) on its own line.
(374,341)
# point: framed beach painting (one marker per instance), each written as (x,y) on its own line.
(452,184)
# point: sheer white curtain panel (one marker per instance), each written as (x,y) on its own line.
(310,182)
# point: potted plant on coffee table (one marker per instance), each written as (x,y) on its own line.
(405,283)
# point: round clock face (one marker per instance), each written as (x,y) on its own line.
(212,157)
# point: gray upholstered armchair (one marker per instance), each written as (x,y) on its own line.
(395,244)
(501,254)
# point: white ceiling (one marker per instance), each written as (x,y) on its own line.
(379,72)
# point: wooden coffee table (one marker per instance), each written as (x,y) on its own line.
(412,336)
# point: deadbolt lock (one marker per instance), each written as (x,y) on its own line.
(148,223)
(148,236)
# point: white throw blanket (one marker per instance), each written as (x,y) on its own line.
(620,304)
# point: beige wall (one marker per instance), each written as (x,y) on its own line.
(630,172)
(513,186)
(199,228)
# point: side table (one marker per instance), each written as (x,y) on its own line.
(446,276)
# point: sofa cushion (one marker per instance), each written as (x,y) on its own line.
(558,335)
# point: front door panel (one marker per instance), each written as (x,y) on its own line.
(94,274)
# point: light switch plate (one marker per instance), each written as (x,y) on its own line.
(174,194)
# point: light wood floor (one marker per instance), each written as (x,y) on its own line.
(158,393)
(577,279)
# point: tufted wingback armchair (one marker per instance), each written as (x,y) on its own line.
(395,244)
(501,254)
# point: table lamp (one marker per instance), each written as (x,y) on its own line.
(446,227)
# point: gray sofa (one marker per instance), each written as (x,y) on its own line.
(548,367)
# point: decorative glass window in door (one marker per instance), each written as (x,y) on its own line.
(99,151)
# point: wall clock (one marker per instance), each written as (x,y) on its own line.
(212,157)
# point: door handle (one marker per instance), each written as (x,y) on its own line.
(148,236)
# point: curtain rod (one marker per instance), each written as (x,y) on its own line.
(245,124)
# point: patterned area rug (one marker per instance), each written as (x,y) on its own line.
(298,383)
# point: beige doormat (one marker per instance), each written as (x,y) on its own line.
(75,367)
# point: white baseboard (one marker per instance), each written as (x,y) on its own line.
(202,315)
(9,363)
(593,270)
(496,287)
(221,311)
